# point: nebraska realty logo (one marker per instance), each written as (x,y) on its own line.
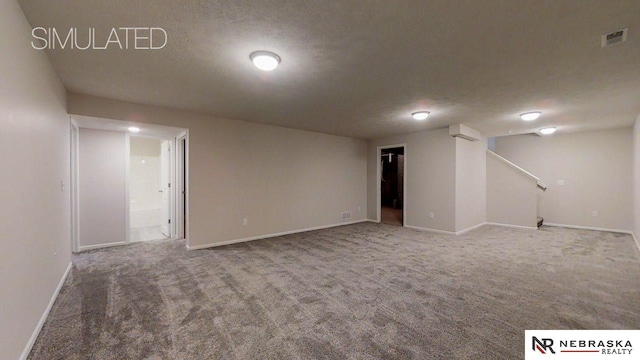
(121,38)
(580,344)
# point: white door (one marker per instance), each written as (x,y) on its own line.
(165,190)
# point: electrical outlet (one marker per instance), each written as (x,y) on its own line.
(359,208)
(594,213)
(244,222)
(432,215)
(345,215)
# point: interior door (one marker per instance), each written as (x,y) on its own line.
(165,183)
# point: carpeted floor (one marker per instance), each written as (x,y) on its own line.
(364,291)
(391,216)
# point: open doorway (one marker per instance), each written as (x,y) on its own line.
(150,178)
(392,171)
(121,181)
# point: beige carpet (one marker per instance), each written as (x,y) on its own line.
(365,291)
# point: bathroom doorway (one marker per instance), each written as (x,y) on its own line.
(150,191)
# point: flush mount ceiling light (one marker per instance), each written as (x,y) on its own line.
(420,115)
(530,116)
(548,131)
(133,129)
(265,60)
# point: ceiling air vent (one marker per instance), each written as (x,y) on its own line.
(614,37)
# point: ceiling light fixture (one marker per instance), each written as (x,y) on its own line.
(133,129)
(530,116)
(265,60)
(420,115)
(548,131)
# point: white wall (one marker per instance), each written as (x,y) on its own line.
(144,146)
(279,179)
(512,195)
(471,183)
(34,155)
(636,179)
(144,175)
(596,168)
(430,178)
(102,187)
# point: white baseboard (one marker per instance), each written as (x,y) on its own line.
(373,221)
(235,241)
(101,246)
(588,228)
(444,232)
(513,226)
(470,228)
(43,318)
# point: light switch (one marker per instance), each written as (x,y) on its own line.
(561,182)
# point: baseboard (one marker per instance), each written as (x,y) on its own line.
(101,246)
(444,232)
(373,221)
(259,237)
(470,228)
(588,228)
(513,226)
(43,318)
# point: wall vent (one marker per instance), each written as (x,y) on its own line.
(614,37)
(346,215)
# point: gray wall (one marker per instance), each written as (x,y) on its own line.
(102,187)
(445,176)
(279,179)
(35,213)
(596,168)
(471,183)
(430,178)
(512,195)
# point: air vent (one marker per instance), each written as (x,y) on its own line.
(615,37)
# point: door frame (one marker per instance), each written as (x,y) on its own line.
(171,144)
(127,186)
(74,185)
(182,167)
(379,179)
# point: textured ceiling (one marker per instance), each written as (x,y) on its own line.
(359,68)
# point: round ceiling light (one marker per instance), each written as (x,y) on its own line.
(420,115)
(548,131)
(265,60)
(133,129)
(530,116)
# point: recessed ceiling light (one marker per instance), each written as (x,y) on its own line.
(530,116)
(265,60)
(420,115)
(133,129)
(548,131)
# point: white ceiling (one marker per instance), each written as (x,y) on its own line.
(359,68)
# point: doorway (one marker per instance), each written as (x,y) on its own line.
(100,220)
(150,195)
(392,185)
